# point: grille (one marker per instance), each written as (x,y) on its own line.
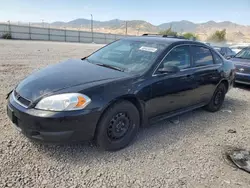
(21,100)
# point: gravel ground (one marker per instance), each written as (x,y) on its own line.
(186,152)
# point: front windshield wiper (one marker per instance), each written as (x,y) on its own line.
(104,65)
(110,66)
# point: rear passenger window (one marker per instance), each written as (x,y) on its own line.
(202,56)
(217,58)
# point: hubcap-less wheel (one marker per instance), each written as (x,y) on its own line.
(119,126)
(218,97)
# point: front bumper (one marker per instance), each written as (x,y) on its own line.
(242,78)
(53,126)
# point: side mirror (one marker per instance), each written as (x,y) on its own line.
(169,69)
(228,57)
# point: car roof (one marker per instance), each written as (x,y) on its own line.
(218,46)
(159,39)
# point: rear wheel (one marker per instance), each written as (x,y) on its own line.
(118,126)
(217,99)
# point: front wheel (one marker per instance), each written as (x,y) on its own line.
(118,126)
(217,100)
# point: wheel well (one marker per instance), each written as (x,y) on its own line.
(225,82)
(131,99)
(138,105)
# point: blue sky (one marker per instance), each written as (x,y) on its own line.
(156,12)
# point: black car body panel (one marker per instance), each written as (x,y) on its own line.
(152,93)
(64,75)
(53,126)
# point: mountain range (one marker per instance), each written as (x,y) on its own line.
(134,27)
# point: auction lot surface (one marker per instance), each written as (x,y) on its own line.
(188,153)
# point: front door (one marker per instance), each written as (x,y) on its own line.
(172,91)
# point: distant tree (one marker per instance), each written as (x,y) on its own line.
(190,35)
(6,36)
(218,36)
(169,31)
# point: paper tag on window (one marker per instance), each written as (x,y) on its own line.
(148,49)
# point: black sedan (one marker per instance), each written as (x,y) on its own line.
(108,95)
(242,63)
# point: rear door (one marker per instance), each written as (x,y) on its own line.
(172,91)
(207,73)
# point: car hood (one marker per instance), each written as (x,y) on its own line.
(64,75)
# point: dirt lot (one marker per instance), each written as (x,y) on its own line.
(188,153)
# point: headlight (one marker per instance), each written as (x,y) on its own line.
(64,102)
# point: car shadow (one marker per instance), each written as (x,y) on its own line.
(149,140)
(242,86)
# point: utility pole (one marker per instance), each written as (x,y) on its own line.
(29,31)
(92,28)
(49,32)
(65,36)
(9,27)
(126,28)
(138,31)
(79,36)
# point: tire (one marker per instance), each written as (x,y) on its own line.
(118,126)
(217,100)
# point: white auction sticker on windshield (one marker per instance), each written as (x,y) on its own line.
(148,49)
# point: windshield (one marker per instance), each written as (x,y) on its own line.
(128,55)
(244,54)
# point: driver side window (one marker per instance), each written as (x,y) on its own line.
(179,56)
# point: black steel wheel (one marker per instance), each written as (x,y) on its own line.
(217,99)
(118,126)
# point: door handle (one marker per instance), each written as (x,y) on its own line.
(189,76)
